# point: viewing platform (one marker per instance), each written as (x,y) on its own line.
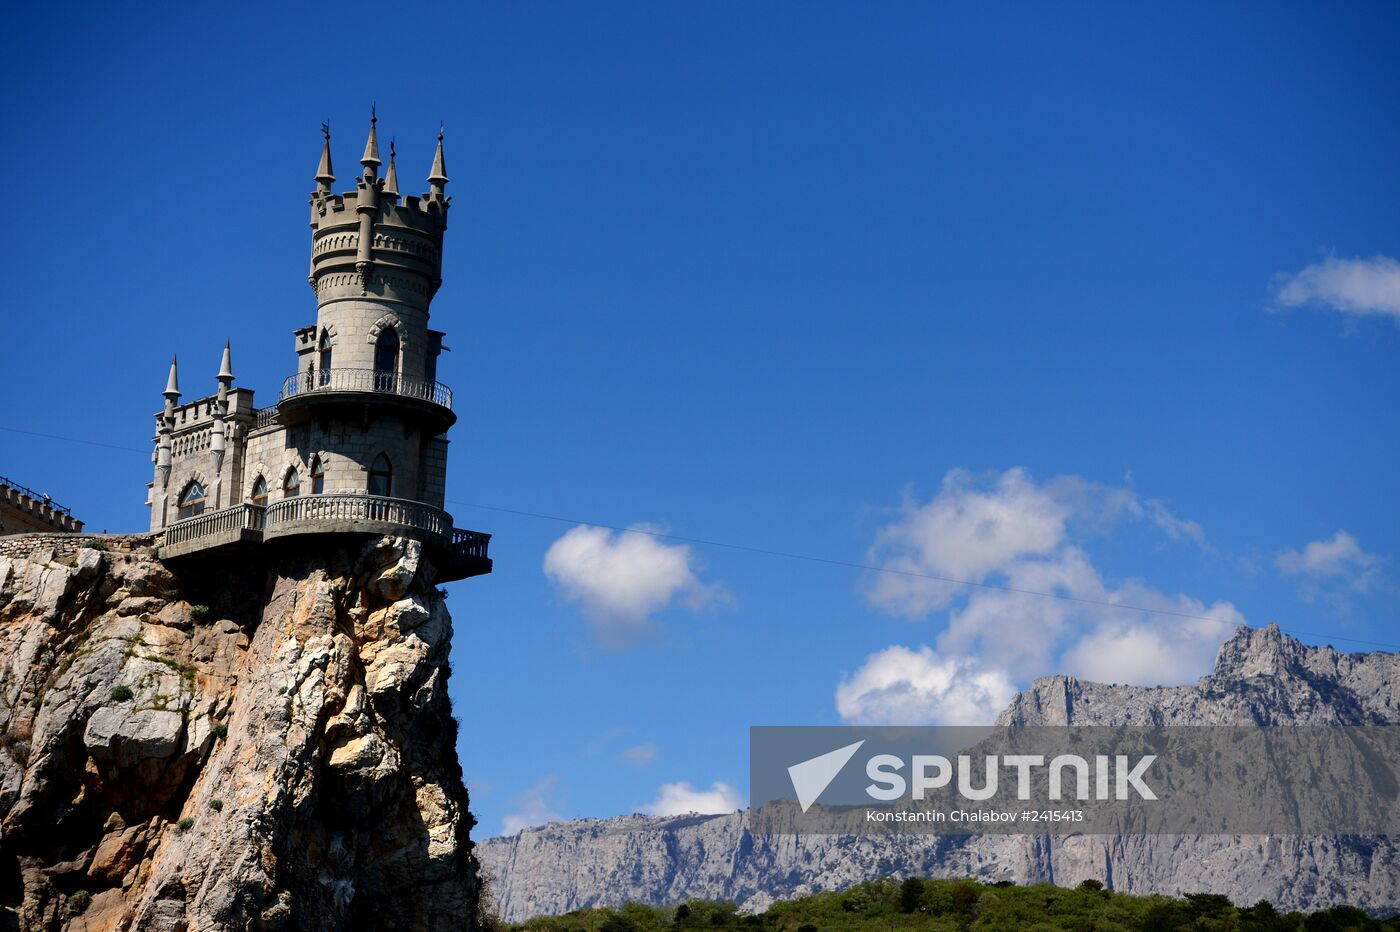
(430,399)
(457,554)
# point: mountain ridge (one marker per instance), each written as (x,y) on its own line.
(1261,676)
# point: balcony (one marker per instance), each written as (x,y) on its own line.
(222,528)
(357,386)
(456,554)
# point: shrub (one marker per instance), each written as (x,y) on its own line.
(93,544)
(1091,885)
(199,612)
(217,805)
(122,694)
(911,894)
(185,824)
(78,900)
(220,731)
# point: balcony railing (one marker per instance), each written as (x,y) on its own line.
(214,529)
(353,507)
(331,512)
(471,544)
(264,417)
(365,380)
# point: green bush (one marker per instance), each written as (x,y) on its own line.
(220,731)
(217,805)
(185,824)
(122,694)
(93,544)
(199,612)
(911,895)
(78,900)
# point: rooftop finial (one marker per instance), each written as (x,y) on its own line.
(226,364)
(172,384)
(370,160)
(324,176)
(391,180)
(437,180)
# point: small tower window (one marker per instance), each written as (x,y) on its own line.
(325,358)
(386,359)
(381,476)
(259,496)
(291,486)
(192,500)
(318,476)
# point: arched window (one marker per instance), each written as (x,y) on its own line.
(291,486)
(381,476)
(318,476)
(192,500)
(386,359)
(260,491)
(325,357)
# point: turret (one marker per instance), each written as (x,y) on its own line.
(324,176)
(218,429)
(437,178)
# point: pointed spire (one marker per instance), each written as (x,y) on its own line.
(172,385)
(324,176)
(437,180)
(391,180)
(226,364)
(370,160)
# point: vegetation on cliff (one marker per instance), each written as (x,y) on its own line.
(958,905)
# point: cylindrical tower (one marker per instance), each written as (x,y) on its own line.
(371,413)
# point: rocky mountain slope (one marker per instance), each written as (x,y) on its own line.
(235,745)
(1261,676)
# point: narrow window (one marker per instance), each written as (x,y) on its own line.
(318,476)
(381,476)
(291,486)
(325,358)
(192,500)
(260,491)
(386,359)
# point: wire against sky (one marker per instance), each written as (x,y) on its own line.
(848,564)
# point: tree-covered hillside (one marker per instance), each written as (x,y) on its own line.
(959,905)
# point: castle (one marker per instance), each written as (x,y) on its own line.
(357,441)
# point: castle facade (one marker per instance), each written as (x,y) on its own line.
(356,442)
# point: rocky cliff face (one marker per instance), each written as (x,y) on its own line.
(227,746)
(1261,676)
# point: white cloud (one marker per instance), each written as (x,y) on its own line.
(1017,537)
(682,798)
(639,754)
(1355,287)
(1340,558)
(535,806)
(904,686)
(620,580)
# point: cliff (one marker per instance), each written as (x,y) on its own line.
(1260,676)
(231,745)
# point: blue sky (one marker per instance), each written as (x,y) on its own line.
(1096,300)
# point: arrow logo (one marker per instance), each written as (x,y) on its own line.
(811,777)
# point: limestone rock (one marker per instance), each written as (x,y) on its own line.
(282,758)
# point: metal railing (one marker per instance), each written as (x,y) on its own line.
(216,523)
(353,506)
(365,380)
(264,417)
(470,544)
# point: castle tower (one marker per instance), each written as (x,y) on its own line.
(356,442)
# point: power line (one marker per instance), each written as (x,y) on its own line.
(91,443)
(808,558)
(848,564)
